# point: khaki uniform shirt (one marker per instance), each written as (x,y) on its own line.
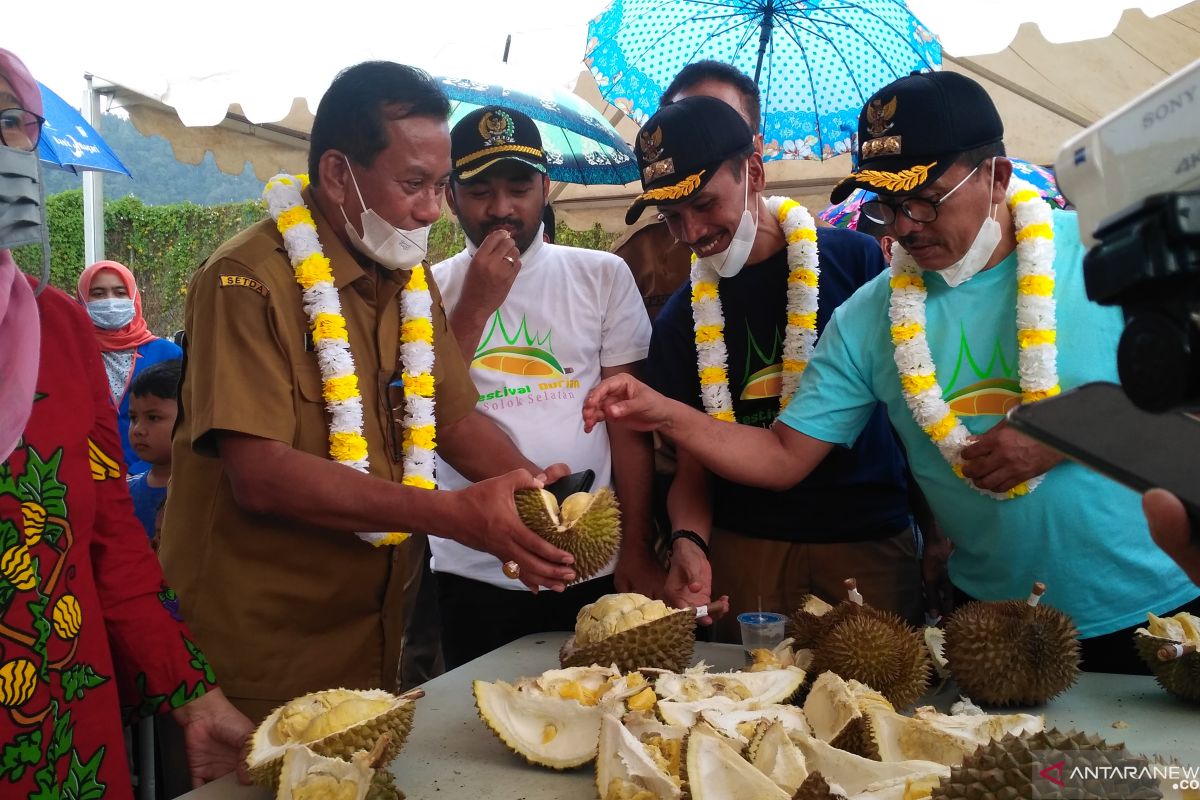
(282,608)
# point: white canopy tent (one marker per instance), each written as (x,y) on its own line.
(1046,92)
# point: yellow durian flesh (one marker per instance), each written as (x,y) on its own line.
(345,714)
(616,613)
(296,715)
(308,776)
(588,526)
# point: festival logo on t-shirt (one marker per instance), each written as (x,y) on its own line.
(529,357)
(762,378)
(995,387)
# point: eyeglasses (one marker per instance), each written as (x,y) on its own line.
(20,129)
(918,209)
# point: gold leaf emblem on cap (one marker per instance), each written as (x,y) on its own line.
(651,144)
(895,182)
(496,127)
(675,190)
(879,116)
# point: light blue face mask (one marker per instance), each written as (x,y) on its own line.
(22,205)
(111,313)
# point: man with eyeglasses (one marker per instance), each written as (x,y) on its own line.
(984,307)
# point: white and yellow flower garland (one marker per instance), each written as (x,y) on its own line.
(800,335)
(1036,332)
(343,401)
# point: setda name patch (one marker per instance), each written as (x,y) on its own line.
(243,281)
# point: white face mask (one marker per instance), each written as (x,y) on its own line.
(980,251)
(383,242)
(729,262)
(111,313)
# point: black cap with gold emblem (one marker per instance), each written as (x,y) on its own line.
(682,146)
(492,134)
(911,130)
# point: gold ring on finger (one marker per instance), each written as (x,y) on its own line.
(512,569)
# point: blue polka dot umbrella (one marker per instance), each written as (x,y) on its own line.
(816,62)
(846,213)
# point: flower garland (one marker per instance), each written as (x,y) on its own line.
(1036,332)
(800,335)
(343,401)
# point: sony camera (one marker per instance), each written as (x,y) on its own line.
(1134,178)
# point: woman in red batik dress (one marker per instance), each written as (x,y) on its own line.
(89,634)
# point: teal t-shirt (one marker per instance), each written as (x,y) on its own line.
(1080,533)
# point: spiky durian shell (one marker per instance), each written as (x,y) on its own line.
(879,649)
(665,643)
(1011,653)
(1180,676)
(1007,768)
(383,787)
(592,539)
(396,723)
(815,787)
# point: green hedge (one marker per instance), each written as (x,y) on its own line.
(163,245)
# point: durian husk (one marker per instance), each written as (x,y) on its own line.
(815,787)
(666,643)
(593,539)
(1010,653)
(521,721)
(1180,676)
(383,787)
(714,769)
(301,764)
(264,752)
(775,755)
(622,759)
(877,648)
(1006,768)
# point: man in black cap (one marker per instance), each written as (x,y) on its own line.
(540,325)
(733,341)
(984,308)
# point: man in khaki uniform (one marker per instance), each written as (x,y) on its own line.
(259,531)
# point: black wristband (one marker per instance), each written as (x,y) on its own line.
(692,537)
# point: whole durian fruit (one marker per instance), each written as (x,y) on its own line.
(587,525)
(1012,652)
(1169,646)
(633,632)
(874,647)
(336,723)
(1010,768)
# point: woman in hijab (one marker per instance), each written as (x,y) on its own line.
(89,634)
(109,293)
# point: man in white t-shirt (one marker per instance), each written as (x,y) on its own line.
(540,326)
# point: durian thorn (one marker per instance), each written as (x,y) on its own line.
(852,591)
(1171,652)
(1035,596)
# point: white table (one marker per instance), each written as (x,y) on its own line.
(451,754)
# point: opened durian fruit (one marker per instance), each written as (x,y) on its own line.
(853,717)
(336,723)
(308,776)
(1170,646)
(633,632)
(1014,652)
(683,696)
(587,525)
(553,720)
(866,644)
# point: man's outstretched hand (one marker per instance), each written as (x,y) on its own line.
(625,400)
